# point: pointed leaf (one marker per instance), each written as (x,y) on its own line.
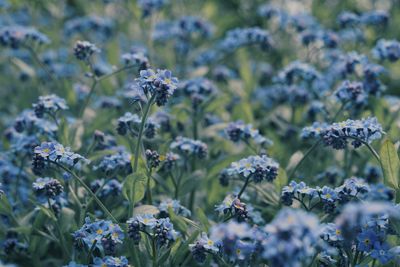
(390,164)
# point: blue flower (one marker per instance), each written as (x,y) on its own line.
(109,261)
(147,220)
(50,104)
(260,167)
(105,233)
(175,205)
(348,19)
(48,186)
(351,92)
(203,245)
(135,58)
(189,147)
(328,194)
(375,18)
(160,84)
(366,240)
(381,252)
(148,7)
(292,238)
(337,134)
(245,36)
(235,207)
(98,27)
(331,233)
(118,163)
(83,50)
(387,50)
(17,36)
(237,131)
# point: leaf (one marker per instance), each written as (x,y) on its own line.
(203,219)
(134,187)
(281,180)
(5,207)
(390,164)
(178,221)
(67,220)
(183,250)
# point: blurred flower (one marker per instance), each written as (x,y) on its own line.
(387,50)
(189,147)
(260,167)
(83,50)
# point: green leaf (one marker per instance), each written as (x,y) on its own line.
(203,219)
(134,187)
(67,220)
(184,248)
(5,207)
(281,180)
(390,164)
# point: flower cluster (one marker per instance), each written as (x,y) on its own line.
(49,104)
(387,50)
(352,189)
(48,186)
(131,123)
(259,168)
(160,84)
(148,7)
(189,147)
(18,36)
(161,230)
(110,261)
(233,206)
(239,131)
(365,228)
(336,135)
(56,153)
(351,92)
(83,50)
(117,163)
(292,238)
(176,207)
(103,235)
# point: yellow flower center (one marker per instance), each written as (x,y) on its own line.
(99,232)
(210,242)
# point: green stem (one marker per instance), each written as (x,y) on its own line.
(244,186)
(82,183)
(87,99)
(311,149)
(355,258)
(153,246)
(93,87)
(91,251)
(142,124)
(175,185)
(195,129)
(149,197)
(40,63)
(62,240)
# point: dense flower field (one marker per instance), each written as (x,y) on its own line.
(199,133)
